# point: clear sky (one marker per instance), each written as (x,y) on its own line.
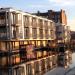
(43,6)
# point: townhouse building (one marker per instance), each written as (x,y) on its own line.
(60,19)
(16,24)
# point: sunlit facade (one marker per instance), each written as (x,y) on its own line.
(60,19)
(16,24)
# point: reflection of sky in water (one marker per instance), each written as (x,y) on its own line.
(73,60)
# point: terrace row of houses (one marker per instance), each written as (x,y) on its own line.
(60,19)
(15,24)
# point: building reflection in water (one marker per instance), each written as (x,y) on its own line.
(65,59)
(40,66)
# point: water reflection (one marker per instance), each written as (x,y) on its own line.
(65,59)
(42,65)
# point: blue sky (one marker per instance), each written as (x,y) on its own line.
(43,6)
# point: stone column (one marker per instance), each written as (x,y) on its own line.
(6,22)
(22,20)
(49,37)
(43,31)
(37,29)
(30,27)
(9,26)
